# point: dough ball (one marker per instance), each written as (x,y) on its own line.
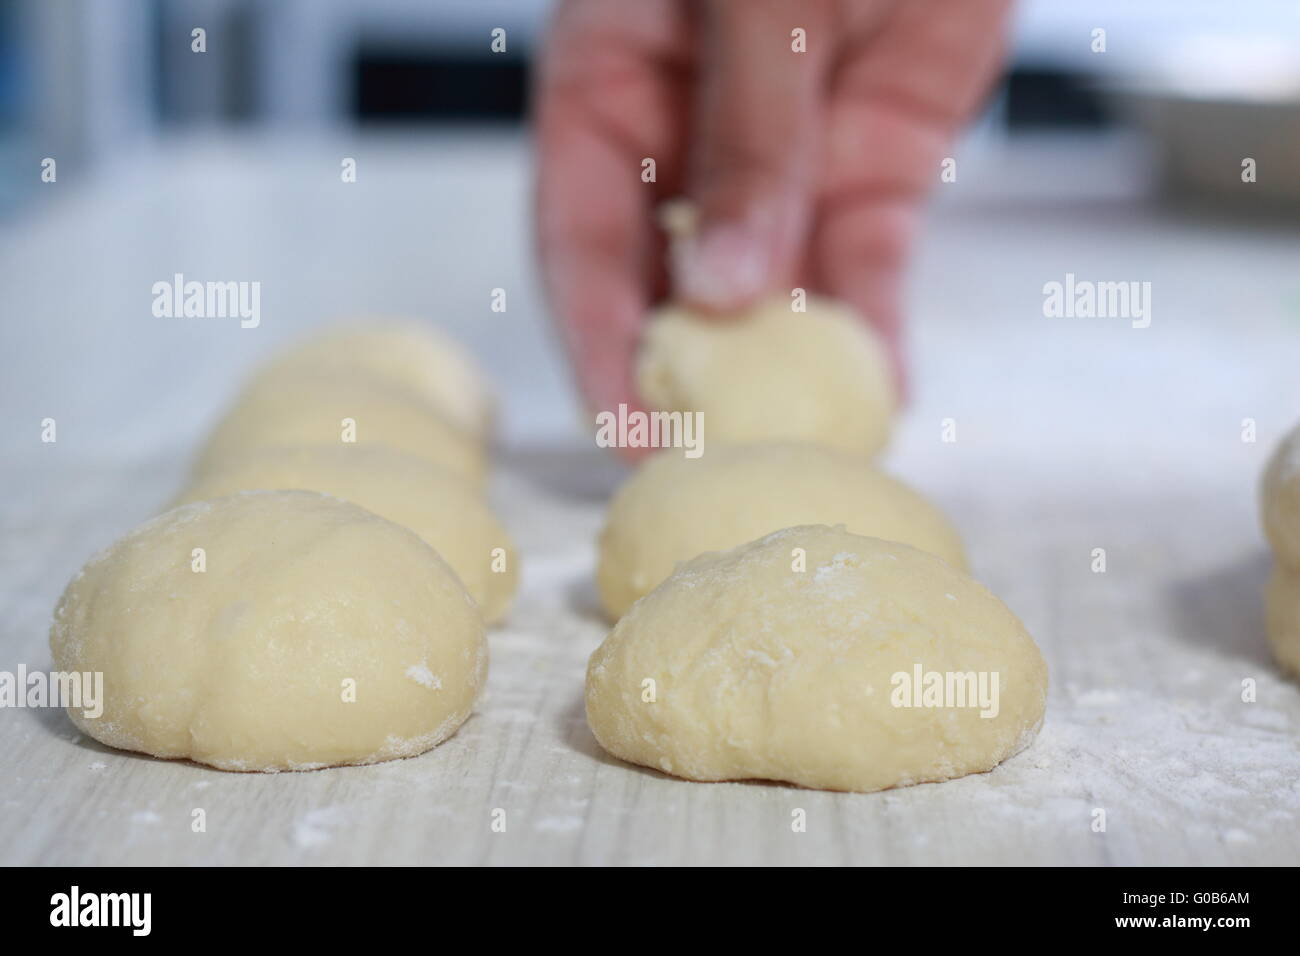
(675,507)
(761,671)
(310,410)
(406,355)
(1280,498)
(246,665)
(442,509)
(1283,621)
(820,375)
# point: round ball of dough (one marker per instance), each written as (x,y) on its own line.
(675,507)
(772,374)
(1283,618)
(766,665)
(1280,500)
(417,358)
(315,634)
(310,410)
(451,516)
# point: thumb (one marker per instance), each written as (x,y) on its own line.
(756,126)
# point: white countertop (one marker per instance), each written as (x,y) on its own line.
(1073,434)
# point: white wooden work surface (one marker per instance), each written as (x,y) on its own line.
(1073,434)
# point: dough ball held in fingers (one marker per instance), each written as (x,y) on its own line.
(772,374)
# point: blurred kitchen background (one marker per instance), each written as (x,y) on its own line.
(82,79)
(226,165)
(1075,434)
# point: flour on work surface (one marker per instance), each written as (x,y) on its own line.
(315,828)
(1144,759)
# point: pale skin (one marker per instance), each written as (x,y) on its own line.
(807,169)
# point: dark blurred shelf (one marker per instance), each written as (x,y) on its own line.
(436,86)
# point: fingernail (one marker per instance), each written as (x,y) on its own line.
(721,269)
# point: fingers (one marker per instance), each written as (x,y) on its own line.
(591,253)
(602,106)
(898,97)
(757,119)
(902,90)
(861,251)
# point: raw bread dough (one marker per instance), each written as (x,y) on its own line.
(1283,621)
(771,374)
(442,509)
(414,357)
(761,671)
(675,507)
(244,665)
(1280,500)
(310,409)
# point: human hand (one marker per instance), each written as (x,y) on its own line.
(807,169)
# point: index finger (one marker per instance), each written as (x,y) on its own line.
(606,102)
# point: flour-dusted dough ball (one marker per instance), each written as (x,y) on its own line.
(772,374)
(312,410)
(1280,500)
(249,664)
(761,671)
(675,507)
(418,358)
(442,509)
(1283,620)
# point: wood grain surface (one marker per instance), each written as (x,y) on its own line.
(1072,435)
